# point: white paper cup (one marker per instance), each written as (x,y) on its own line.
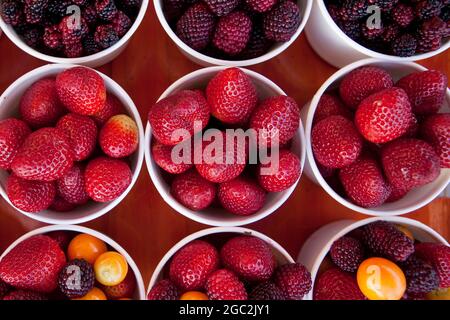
(335,47)
(218,216)
(418,197)
(9,107)
(204,60)
(95,60)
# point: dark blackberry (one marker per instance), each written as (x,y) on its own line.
(52,38)
(427,9)
(89,13)
(35,10)
(425,45)
(33,37)
(106,9)
(282,22)
(404,46)
(371,33)
(4,288)
(403,15)
(132,3)
(445,14)
(71,32)
(24,295)
(391,32)
(347,253)
(222,7)
(121,23)
(432,28)
(90,46)
(257,45)
(351,29)
(81,3)
(57,9)
(233,33)
(76,278)
(266,291)
(73,50)
(421,277)
(354,9)
(106,36)
(385,5)
(11,12)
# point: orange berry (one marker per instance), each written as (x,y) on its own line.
(87,247)
(110,268)
(93,294)
(194,295)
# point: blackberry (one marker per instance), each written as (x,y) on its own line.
(257,45)
(106,9)
(89,13)
(11,12)
(233,33)
(4,288)
(391,32)
(282,22)
(52,38)
(403,15)
(72,33)
(266,291)
(347,253)
(385,5)
(121,23)
(73,50)
(445,14)
(34,10)
(371,33)
(33,37)
(427,9)
(432,28)
(222,7)
(76,278)
(57,9)
(132,3)
(421,277)
(354,9)
(90,46)
(351,29)
(404,46)
(428,44)
(106,36)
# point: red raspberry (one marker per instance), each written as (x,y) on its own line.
(164,290)
(266,291)
(347,253)
(233,33)
(294,280)
(282,22)
(222,7)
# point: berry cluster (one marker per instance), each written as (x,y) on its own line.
(407,27)
(233,29)
(70,28)
(245,268)
(375,141)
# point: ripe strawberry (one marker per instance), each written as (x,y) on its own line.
(361,83)
(193,264)
(436,130)
(81,90)
(82,134)
(439,256)
(241,196)
(71,186)
(276,116)
(162,155)
(426,90)
(164,290)
(222,8)
(421,277)
(335,284)
(233,33)
(231,96)
(396,194)
(410,163)
(34,264)
(266,291)
(13,133)
(173,118)
(330,105)
(125,289)
(193,191)
(261,5)
(119,137)
(384,116)
(335,142)
(277,178)
(106,179)
(46,155)
(250,258)
(224,285)
(294,280)
(40,105)
(26,295)
(63,238)
(347,253)
(112,107)
(61,205)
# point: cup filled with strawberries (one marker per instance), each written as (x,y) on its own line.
(71,144)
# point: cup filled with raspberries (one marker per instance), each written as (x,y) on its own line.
(85,32)
(379,136)
(68,263)
(346,31)
(71,142)
(232,32)
(225,146)
(229,263)
(390,258)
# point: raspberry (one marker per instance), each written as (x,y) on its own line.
(106,9)
(421,277)
(257,45)
(371,33)
(347,253)
(403,15)
(90,46)
(52,38)
(33,37)
(11,12)
(261,5)
(121,23)
(34,10)
(73,50)
(281,23)
(427,9)
(222,7)
(106,36)
(89,14)
(76,279)
(57,9)
(391,32)
(266,291)
(164,290)
(354,9)
(294,280)
(233,33)
(404,46)
(71,31)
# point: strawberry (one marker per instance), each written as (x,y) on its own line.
(193,264)
(347,253)
(63,238)
(275,178)
(410,163)
(61,205)
(396,194)
(335,142)
(232,96)
(436,130)
(13,133)
(112,107)
(266,291)
(40,105)
(162,155)
(250,258)
(164,290)
(224,285)
(439,256)
(361,83)
(106,179)
(81,90)
(125,289)
(173,119)
(277,117)
(71,186)
(330,105)
(335,284)
(34,264)
(241,196)
(384,116)
(294,280)
(119,137)
(193,191)
(25,295)
(30,196)
(46,155)
(82,134)
(426,90)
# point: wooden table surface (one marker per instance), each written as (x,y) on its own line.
(143,223)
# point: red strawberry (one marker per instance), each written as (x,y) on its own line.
(30,196)
(347,253)
(46,155)
(335,142)
(81,90)
(330,105)
(439,256)
(63,238)
(193,191)
(125,289)
(34,264)
(61,205)
(277,178)
(40,105)
(164,290)
(231,96)
(294,280)
(426,90)
(119,137)
(276,116)
(361,83)
(82,134)
(224,285)
(410,163)
(335,284)
(250,258)
(24,295)
(106,179)
(112,108)
(162,155)
(71,186)
(384,116)
(261,5)
(241,196)
(436,130)
(193,264)
(13,133)
(173,119)
(396,194)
